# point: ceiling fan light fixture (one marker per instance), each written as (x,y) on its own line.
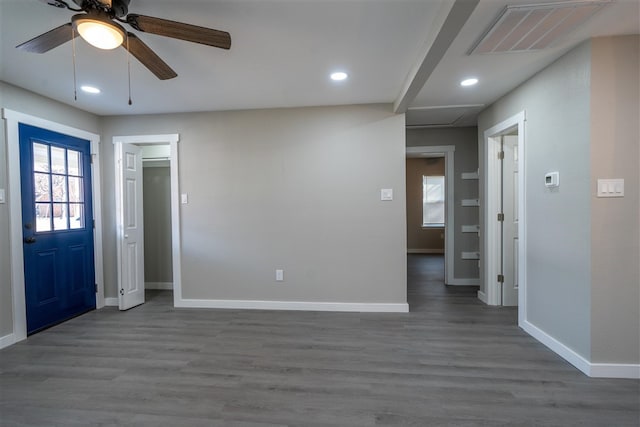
(99,31)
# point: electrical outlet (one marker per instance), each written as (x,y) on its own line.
(279,275)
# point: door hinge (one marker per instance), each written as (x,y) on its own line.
(95,286)
(500,155)
(122,291)
(500,217)
(93,221)
(91,158)
(501,278)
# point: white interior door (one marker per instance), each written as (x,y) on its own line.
(510,223)
(130,227)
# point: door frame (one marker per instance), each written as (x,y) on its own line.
(492,191)
(165,139)
(446,151)
(12,133)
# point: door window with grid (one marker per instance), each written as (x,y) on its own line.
(58,188)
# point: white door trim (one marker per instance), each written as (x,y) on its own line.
(492,206)
(447,152)
(12,119)
(172,140)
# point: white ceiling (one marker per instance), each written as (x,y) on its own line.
(282,53)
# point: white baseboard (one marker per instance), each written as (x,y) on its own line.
(595,370)
(615,370)
(164,286)
(111,302)
(425,251)
(464,282)
(7,340)
(482,297)
(295,305)
(556,346)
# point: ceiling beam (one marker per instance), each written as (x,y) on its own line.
(458,15)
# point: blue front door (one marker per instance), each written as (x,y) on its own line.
(57,218)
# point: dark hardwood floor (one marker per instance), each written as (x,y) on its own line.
(451,361)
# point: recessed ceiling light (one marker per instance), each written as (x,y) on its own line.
(90,89)
(469,82)
(339,76)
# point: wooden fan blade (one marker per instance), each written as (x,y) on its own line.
(148,58)
(47,41)
(178,30)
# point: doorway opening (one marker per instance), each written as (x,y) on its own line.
(430,223)
(504,215)
(148,222)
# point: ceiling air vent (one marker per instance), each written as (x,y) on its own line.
(536,26)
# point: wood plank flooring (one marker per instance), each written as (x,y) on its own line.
(451,361)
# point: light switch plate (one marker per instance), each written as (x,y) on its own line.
(386,194)
(2,195)
(610,188)
(184,198)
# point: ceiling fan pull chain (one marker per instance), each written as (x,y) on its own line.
(129,68)
(75,80)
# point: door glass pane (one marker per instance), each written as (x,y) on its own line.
(58,163)
(41,184)
(60,217)
(73,158)
(76,215)
(43,217)
(40,157)
(75,189)
(59,184)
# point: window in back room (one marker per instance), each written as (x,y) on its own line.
(433,198)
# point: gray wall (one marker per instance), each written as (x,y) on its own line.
(615,256)
(465,160)
(157,224)
(22,101)
(297,189)
(558,223)
(419,238)
(582,251)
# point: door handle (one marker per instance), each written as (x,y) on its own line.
(30,240)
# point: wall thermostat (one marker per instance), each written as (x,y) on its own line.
(552,180)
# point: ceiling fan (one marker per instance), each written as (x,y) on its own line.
(98,27)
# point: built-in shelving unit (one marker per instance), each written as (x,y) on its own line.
(471,228)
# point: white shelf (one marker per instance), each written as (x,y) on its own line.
(470,255)
(470,228)
(470,175)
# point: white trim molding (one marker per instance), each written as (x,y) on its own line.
(7,340)
(595,370)
(13,119)
(615,370)
(163,286)
(425,251)
(111,302)
(464,282)
(295,305)
(482,297)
